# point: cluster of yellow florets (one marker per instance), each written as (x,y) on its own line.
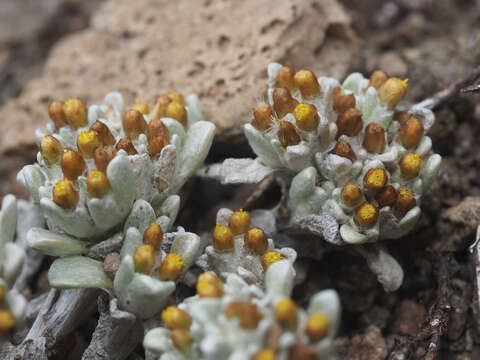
(7,321)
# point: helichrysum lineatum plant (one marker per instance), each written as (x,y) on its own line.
(234,320)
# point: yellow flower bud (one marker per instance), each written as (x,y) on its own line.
(211,278)
(103,132)
(64,195)
(343,149)
(410,165)
(208,290)
(160,107)
(411,132)
(57,114)
(223,238)
(286,78)
(75,113)
(374,140)
(317,327)
(175,96)
(377,79)
(246,312)
(286,313)
(265,354)
(51,150)
(144,259)
(350,122)
(126,145)
(176,319)
(342,102)
(306,117)
(87,142)
(401,117)
(283,102)
(102,157)
(392,91)
(366,215)
(404,201)
(134,124)
(97,184)
(171,267)
(7,322)
(351,195)
(262,117)
(181,339)
(239,222)
(156,128)
(256,241)
(386,196)
(156,145)
(73,164)
(375,179)
(271,257)
(287,135)
(178,112)
(153,236)
(142,107)
(307,83)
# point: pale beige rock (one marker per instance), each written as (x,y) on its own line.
(217,49)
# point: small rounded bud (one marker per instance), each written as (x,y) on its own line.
(239,222)
(366,215)
(175,96)
(57,114)
(377,79)
(75,113)
(171,267)
(411,132)
(262,117)
(307,83)
(375,179)
(392,91)
(350,122)
(286,313)
(256,241)
(374,140)
(410,165)
(342,102)
(102,157)
(156,128)
(64,195)
(211,278)
(343,149)
(103,132)
(178,112)
(404,201)
(287,135)
(283,102)
(302,352)
(2,293)
(51,150)
(223,238)
(87,142)
(306,117)
(7,322)
(73,164)
(317,327)
(97,184)
(153,236)
(286,78)
(351,195)
(209,285)
(126,145)
(386,196)
(156,145)
(401,117)
(144,259)
(142,107)
(160,107)
(181,339)
(265,354)
(176,319)
(246,312)
(271,257)
(134,124)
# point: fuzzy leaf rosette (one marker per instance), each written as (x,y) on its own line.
(238,248)
(238,321)
(13,305)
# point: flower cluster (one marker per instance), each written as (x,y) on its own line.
(238,248)
(234,320)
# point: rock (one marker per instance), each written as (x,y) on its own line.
(111,264)
(377,316)
(392,63)
(218,50)
(369,345)
(460,301)
(409,318)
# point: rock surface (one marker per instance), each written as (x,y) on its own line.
(369,345)
(146,47)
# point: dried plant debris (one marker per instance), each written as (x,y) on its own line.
(234,320)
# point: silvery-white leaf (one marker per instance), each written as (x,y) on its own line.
(354,82)
(114,99)
(175,129)
(13,258)
(430,170)
(17,304)
(121,176)
(170,208)
(424,147)
(31,178)
(158,340)
(193,108)
(351,236)
(78,272)
(272,71)
(242,171)
(133,239)
(279,279)
(8,219)
(327,303)
(223,216)
(297,157)
(105,212)
(187,245)
(164,166)
(56,244)
(141,216)
(124,275)
(262,147)
(324,225)
(303,184)
(425,115)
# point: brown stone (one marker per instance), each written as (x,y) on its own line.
(408,318)
(369,345)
